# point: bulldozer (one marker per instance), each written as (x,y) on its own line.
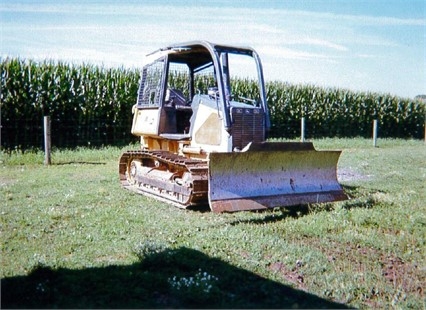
(203,136)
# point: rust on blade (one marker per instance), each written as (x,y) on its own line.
(259,203)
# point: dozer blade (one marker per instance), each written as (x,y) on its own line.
(272,175)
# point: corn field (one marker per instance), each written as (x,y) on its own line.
(88,105)
(332,112)
(91,105)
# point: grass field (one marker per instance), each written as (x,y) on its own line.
(72,238)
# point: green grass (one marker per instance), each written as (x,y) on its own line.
(72,238)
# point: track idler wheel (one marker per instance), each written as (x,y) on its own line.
(133,171)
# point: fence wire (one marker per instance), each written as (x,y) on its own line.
(27,134)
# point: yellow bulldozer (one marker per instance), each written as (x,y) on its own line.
(203,138)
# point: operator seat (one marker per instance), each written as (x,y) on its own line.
(175,97)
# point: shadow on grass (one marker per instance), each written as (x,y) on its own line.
(361,198)
(78,163)
(151,284)
(275,215)
(355,200)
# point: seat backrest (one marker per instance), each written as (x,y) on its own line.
(175,97)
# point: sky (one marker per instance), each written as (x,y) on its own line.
(361,45)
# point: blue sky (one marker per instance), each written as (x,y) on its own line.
(366,45)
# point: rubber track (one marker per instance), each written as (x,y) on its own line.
(198,193)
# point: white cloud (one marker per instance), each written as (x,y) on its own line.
(384,21)
(366,20)
(324,43)
(289,53)
(368,56)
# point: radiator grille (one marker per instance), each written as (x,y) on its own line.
(248,126)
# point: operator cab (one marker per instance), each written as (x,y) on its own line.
(176,75)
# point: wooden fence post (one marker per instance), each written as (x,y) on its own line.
(375,130)
(47,141)
(1,103)
(302,130)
